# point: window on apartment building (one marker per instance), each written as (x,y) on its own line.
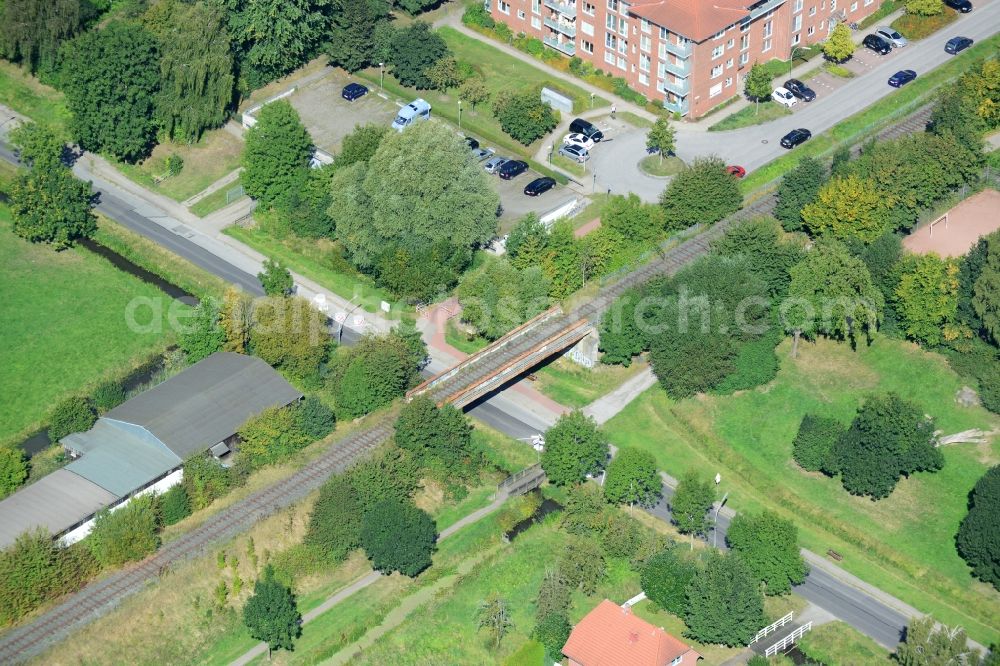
(833,5)
(715,90)
(520,14)
(822,23)
(610,41)
(536,6)
(644,80)
(766,46)
(661,86)
(589,9)
(622,63)
(645,43)
(587,28)
(729,81)
(622,27)
(798,6)
(613,5)
(720,34)
(731,43)
(622,47)
(610,23)
(768,28)
(717,71)
(812,11)
(646,26)
(586,47)
(609,57)
(797,23)
(661,69)
(536,23)
(745,26)
(717,51)
(868,2)
(796,38)
(504,7)
(744,42)
(744,58)
(854,6)
(729,64)
(661,50)
(811,30)
(644,62)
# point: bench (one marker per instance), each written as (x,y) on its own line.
(834,555)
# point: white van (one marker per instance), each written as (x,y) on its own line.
(416,110)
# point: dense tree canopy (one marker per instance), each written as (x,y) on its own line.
(374,372)
(574,447)
(814,441)
(111,78)
(767,251)
(524,116)
(703,193)
(399,537)
(926,644)
(276,154)
(127,534)
(361,144)
(71,415)
(850,207)
(632,478)
(201,335)
(690,504)
(270,437)
(840,45)
(271,615)
(290,334)
(335,521)
(986,290)
(49,205)
(276,279)
(725,604)
(415,49)
(927,298)
(979,534)
(798,189)
(436,436)
(496,297)
(31,31)
(13,469)
(665,579)
(350,44)
(770,547)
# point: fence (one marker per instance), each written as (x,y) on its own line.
(527,479)
(771,628)
(788,640)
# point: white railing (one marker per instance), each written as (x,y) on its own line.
(788,640)
(771,628)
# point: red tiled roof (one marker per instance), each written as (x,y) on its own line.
(694,19)
(610,635)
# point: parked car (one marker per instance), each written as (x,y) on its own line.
(512,168)
(352,91)
(483,153)
(800,90)
(963,6)
(734,170)
(902,77)
(957,45)
(892,36)
(471,143)
(795,137)
(415,111)
(588,129)
(539,186)
(876,44)
(494,163)
(784,97)
(575,153)
(577,139)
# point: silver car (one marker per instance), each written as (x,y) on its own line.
(483,153)
(575,153)
(892,36)
(494,163)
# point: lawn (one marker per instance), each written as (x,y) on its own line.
(903,544)
(654,165)
(26,95)
(65,327)
(214,201)
(751,115)
(461,341)
(216,155)
(840,643)
(573,385)
(913,26)
(319,260)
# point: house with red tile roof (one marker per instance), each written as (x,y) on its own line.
(611,635)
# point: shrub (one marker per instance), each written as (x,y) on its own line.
(205,480)
(582,564)
(127,534)
(69,416)
(979,534)
(13,468)
(391,474)
(175,505)
(665,579)
(621,536)
(399,537)
(552,631)
(476,15)
(108,395)
(335,521)
(523,116)
(271,436)
(703,193)
(814,441)
(314,419)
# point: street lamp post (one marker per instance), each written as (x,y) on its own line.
(592,100)
(459,114)
(593,185)
(381,75)
(551,146)
(715,525)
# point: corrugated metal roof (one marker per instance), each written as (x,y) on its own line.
(56,502)
(120,461)
(206,403)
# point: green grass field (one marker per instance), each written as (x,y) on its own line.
(65,327)
(655,166)
(903,544)
(751,115)
(26,95)
(213,202)
(573,385)
(840,643)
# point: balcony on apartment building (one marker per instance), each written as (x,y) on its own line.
(565,27)
(567,9)
(681,87)
(677,106)
(567,47)
(680,68)
(680,50)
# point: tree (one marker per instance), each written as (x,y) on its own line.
(849,207)
(496,297)
(38,146)
(13,469)
(690,505)
(350,45)
(630,218)
(111,80)
(276,278)
(201,336)
(236,317)
(435,214)
(889,437)
(415,6)
(924,7)
(552,631)
(290,334)
(399,537)
(978,536)
(271,436)
(196,67)
(954,114)
(725,604)
(335,520)
(621,336)
(443,74)
(474,91)
(271,614)
(205,480)
(585,512)
(814,441)
(277,152)
(769,546)
(31,31)
(373,373)
(175,505)
(313,418)
(527,242)
(839,46)
(51,206)
(415,49)
(69,416)
(632,478)
(438,436)
(361,144)
(524,116)
(927,298)
(581,564)
(574,447)
(769,254)
(665,579)
(562,263)
(798,189)
(832,293)
(703,193)
(304,207)
(924,644)
(662,137)
(127,534)
(390,475)
(757,84)
(986,290)
(273,37)
(494,616)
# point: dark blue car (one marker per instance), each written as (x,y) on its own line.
(352,91)
(957,45)
(901,78)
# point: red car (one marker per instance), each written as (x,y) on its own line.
(737,171)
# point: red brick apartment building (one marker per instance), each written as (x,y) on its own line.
(692,54)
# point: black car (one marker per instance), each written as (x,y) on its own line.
(957,45)
(877,44)
(963,6)
(539,186)
(795,137)
(800,90)
(472,143)
(512,168)
(352,91)
(901,78)
(588,129)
